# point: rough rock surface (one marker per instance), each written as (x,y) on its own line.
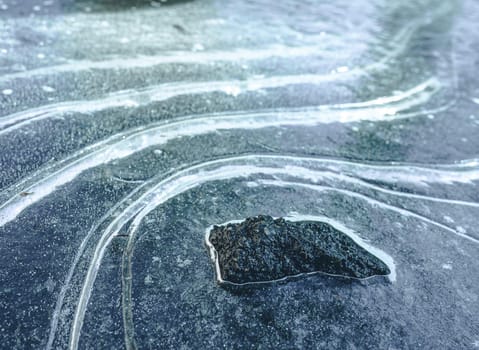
(264,249)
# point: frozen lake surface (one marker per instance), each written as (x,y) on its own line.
(126,132)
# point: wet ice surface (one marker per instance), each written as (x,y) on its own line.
(127,132)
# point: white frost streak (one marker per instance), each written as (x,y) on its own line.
(387,108)
(178,57)
(136,98)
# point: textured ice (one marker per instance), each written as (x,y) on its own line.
(128,128)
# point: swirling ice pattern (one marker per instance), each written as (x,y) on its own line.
(227,169)
(123,145)
(400,188)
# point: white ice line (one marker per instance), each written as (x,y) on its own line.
(140,97)
(178,57)
(373,202)
(167,131)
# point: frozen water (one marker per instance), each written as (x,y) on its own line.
(127,128)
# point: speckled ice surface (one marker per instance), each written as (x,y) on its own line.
(125,132)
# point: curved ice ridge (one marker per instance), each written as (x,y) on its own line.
(135,98)
(128,143)
(189,57)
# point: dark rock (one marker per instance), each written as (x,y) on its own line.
(263,249)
